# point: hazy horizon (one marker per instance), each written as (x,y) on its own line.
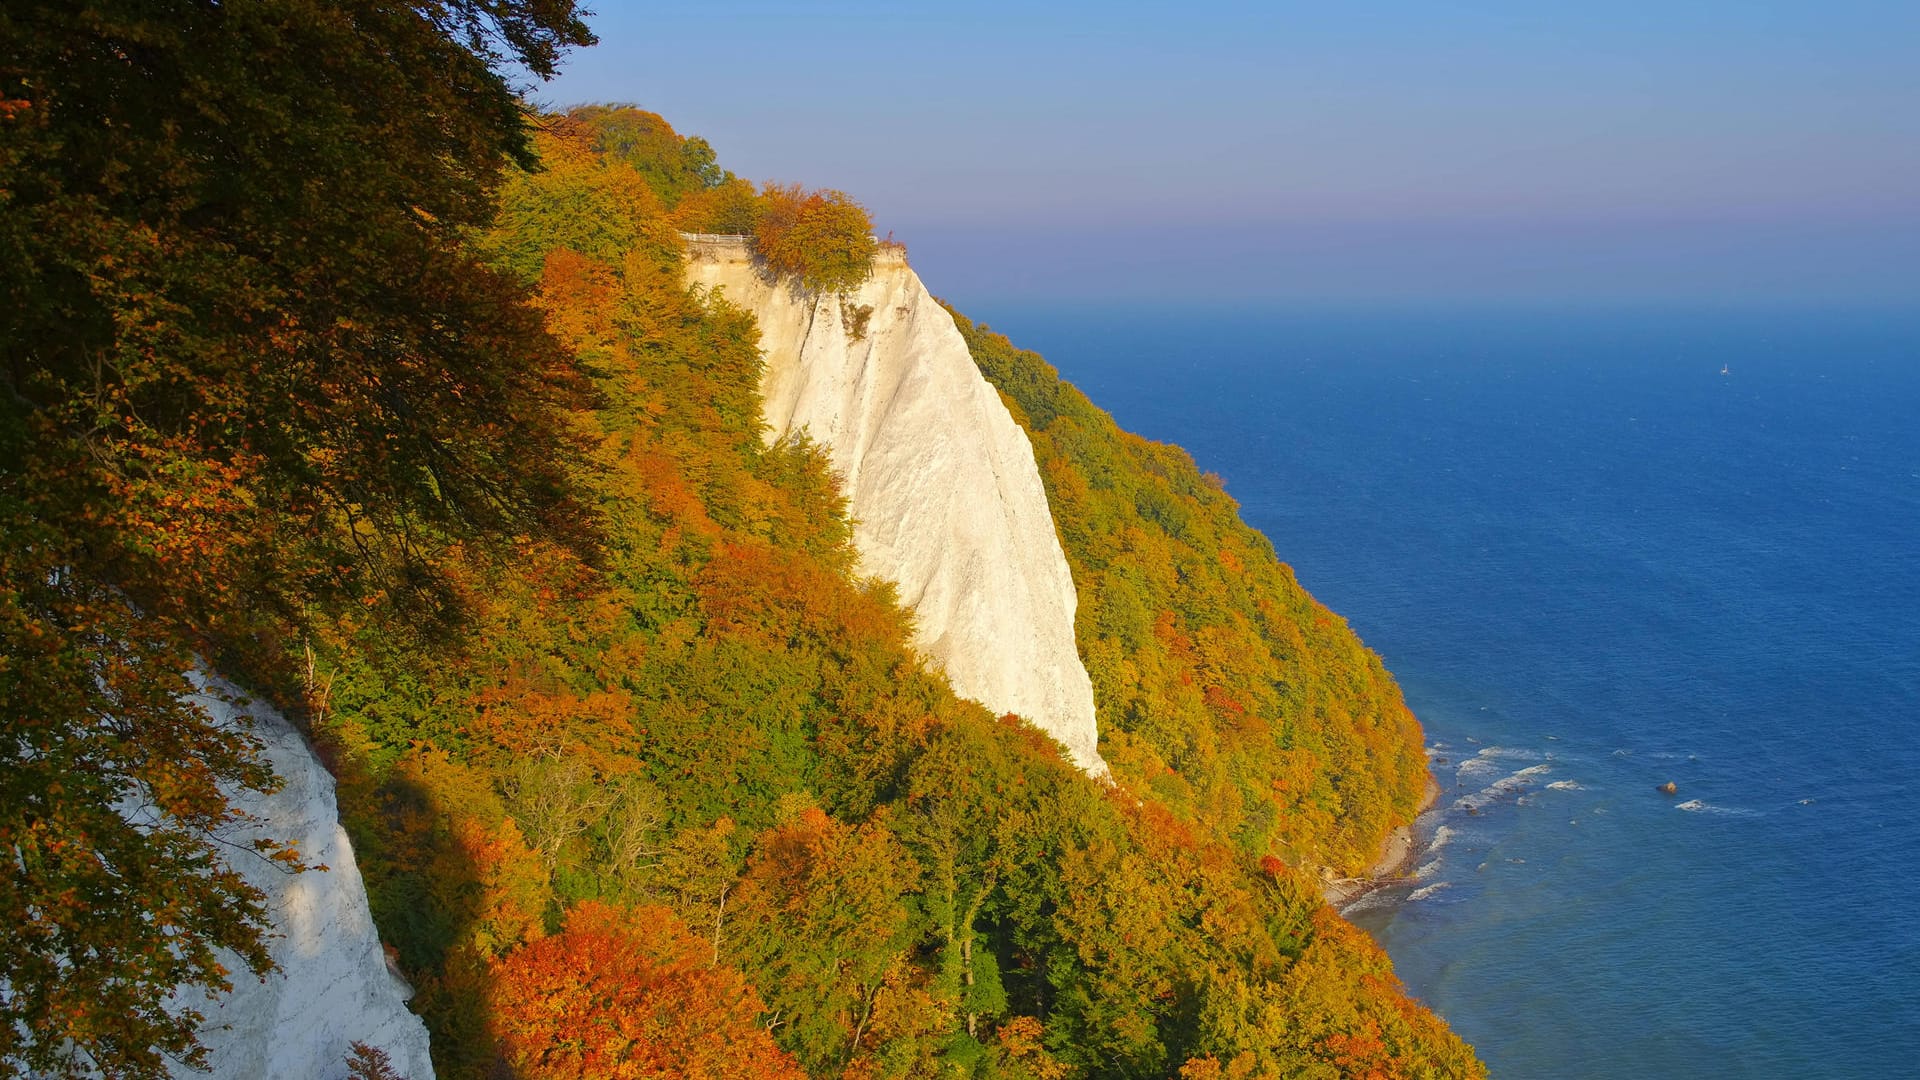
(1721,154)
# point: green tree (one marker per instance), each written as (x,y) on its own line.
(824,919)
(674,166)
(248,369)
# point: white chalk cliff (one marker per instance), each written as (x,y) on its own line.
(946,500)
(333,987)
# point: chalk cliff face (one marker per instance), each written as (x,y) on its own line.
(334,987)
(946,499)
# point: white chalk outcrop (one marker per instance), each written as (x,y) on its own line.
(333,987)
(946,499)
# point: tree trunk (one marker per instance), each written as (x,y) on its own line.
(719,913)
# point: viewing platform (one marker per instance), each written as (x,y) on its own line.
(734,247)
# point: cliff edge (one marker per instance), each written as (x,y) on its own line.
(941,482)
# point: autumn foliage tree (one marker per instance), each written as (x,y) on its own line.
(823,238)
(674,166)
(630,996)
(370,1063)
(249,372)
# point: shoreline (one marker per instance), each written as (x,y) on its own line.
(1397,853)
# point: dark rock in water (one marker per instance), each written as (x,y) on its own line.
(1669,788)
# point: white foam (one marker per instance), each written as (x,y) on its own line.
(1426,891)
(1696,806)
(1441,837)
(1493,758)
(1366,901)
(1477,765)
(1505,786)
(1565,785)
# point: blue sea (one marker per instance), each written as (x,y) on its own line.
(1602,551)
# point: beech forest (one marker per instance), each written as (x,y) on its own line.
(334,367)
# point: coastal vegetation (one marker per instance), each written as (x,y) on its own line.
(716,719)
(1240,702)
(443,456)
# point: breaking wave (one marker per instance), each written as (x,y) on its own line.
(1512,784)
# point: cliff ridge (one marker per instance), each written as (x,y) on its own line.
(941,482)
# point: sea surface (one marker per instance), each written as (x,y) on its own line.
(1602,551)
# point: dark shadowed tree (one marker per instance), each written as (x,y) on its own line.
(248,372)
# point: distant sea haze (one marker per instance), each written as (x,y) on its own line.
(1598,564)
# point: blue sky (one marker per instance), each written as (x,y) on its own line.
(1682,152)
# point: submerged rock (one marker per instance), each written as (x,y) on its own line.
(1669,788)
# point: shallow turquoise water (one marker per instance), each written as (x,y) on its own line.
(1597,564)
